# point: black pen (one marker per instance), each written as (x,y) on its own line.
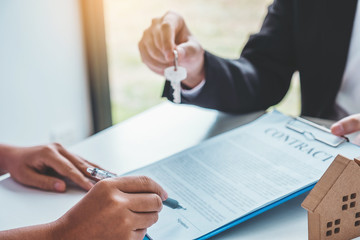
(102,174)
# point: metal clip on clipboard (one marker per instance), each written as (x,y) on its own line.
(313,131)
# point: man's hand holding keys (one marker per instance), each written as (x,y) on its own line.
(159,41)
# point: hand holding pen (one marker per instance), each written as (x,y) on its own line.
(115,208)
(102,174)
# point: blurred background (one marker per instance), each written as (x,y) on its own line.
(221,26)
(61,59)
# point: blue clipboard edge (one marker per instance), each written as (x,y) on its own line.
(251,215)
(257,212)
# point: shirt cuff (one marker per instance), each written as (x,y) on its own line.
(192,93)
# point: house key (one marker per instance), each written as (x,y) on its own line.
(175,74)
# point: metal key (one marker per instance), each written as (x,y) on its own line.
(175,74)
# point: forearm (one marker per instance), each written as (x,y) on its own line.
(44,231)
(218,92)
(231,86)
(236,86)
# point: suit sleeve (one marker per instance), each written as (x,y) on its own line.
(260,77)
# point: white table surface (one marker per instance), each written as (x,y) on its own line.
(141,140)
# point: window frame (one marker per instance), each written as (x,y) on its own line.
(92,13)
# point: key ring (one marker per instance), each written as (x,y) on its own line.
(175,59)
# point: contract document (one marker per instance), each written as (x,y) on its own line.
(233,176)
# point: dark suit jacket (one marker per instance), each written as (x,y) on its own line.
(309,36)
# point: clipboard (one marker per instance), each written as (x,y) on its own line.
(314,132)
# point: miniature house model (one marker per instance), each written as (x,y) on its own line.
(334,203)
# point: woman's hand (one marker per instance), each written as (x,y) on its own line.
(35,166)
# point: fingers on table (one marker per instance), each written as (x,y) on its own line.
(34,179)
(70,168)
(78,161)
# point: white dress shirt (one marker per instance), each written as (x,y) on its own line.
(191,93)
(349,95)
